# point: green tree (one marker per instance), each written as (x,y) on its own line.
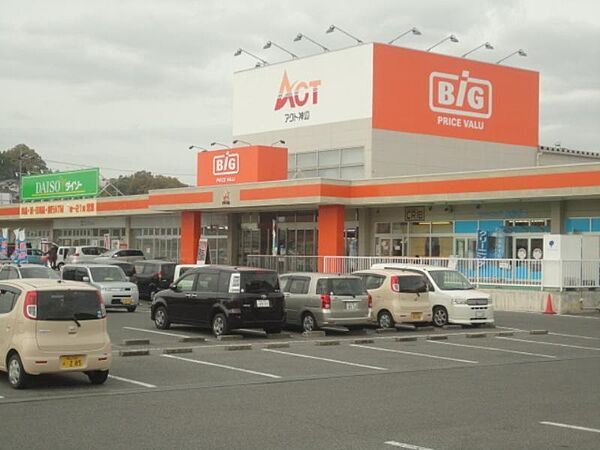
(23,158)
(143,181)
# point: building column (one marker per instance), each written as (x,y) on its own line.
(233,238)
(191,223)
(557,217)
(331,232)
(365,235)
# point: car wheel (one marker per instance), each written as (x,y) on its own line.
(276,330)
(220,325)
(131,308)
(161,318)
(97,376)
(440,316)
(309,322)
(59,266)
(17,377)
(385,319)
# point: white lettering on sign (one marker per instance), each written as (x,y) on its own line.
(460,95)
(227,164)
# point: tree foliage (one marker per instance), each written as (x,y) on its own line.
(31,162)
(143,181)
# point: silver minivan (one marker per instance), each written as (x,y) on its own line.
(110,280)
(314,300)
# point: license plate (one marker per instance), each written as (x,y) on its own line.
(71,362)
(127,301)
(351,306)
(263,303)
(415,316)
(479,314)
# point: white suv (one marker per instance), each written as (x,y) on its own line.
(453,299)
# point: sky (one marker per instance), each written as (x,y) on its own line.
(128,85)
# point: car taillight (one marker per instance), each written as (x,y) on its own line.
(30,305)
(370,301)
(325,301)
(395,283)
(101,304)
(159,275)
(76,254)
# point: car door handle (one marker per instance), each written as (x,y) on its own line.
(191,296)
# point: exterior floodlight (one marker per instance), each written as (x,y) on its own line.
(243,142)
(413,30)
(450,38)
(332,28)
(280,141)
(485,45)
(519,52)
(271,43)
(301,36)
(212,144)
(239,51)
(191,147)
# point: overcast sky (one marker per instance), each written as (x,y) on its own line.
(130,84)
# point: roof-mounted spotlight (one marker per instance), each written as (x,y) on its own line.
(212,144)
(413,30)
(270,44)
(519,52)
(261,62)
(332,28)
(301,36)
(485,45)
(236,141)
(191,147)
(280,141)
(451,38)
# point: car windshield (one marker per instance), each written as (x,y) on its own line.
(104,274)
(341,286)
(38,272)
(450,280)
(259,282)
(109,253)
(68,305)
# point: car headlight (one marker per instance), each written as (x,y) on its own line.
(459,301)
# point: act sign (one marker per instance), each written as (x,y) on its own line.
(78,183)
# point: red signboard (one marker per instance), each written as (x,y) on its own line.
(242,165)
(426,93)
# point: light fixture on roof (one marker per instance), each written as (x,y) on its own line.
(236,141)
(270,44)
(413,30)
(261,62)
(301,36)
(451,38)
(519,52)
(332,28)
(280,141)
(191,147)
(485,45)
(212,144)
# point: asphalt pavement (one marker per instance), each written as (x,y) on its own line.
(456,388)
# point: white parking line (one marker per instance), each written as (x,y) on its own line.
(222,366)
(550,343)
(578,317)
(127,380)
(576,336)
(337,361)
(156,332)
(509,328)
(425,355)
(403,445)
(1,397)
(494,349)
(573,427)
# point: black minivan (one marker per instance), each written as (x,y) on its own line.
(153,275)
(222,298)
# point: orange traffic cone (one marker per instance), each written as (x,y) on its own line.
(549,309)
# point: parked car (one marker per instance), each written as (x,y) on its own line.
(52,326)
(129,255)
(83,254)
(152,276)
(398,297)
(453,298)
(128,268)
(314,300)
(61,255)
(36,256)
(180,269)
(18,271)
(116,290)
(4,259)
(222,298)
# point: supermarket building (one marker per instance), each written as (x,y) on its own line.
(388,151)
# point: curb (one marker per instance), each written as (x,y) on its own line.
(476,335)
(313,334)
(140,352)
(279,336)
(239,347)
(505,333)
(192,339)
(170,351)
(278,345)
(437,338)
(538,332)
(135,342)
(406,339)
(384,330)
(363,341)
(230,337)
(452,327)
(327,342)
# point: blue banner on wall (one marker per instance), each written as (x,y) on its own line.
(482,244)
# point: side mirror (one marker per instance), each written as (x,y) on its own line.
(114,256)
(86,279)
(173,287)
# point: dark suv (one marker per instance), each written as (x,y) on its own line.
(222,298)
(152,276)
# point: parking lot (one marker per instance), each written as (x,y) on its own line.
(501,387)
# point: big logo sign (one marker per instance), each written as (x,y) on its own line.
(227,164)
(460,95)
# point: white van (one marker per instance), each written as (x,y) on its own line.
(453,299)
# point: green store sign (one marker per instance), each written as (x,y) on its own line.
(78,183)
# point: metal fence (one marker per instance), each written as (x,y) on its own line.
(560,274)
